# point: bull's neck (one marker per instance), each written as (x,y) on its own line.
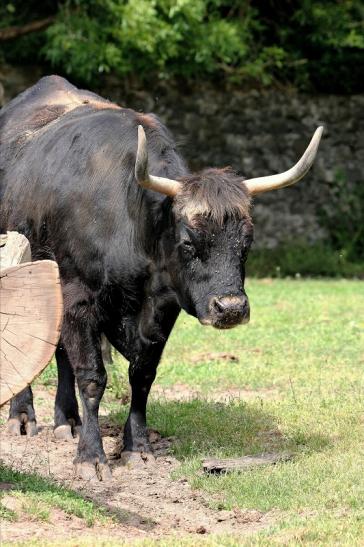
(153,223)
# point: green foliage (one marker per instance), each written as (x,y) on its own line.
(300,259)
(160,38)
(334,35)
(309,44)
(343,218)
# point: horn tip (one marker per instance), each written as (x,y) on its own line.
(141,162)
(319,131)
(141,132)
(317,136)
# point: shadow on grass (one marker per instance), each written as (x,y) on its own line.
(202,428)
(87,507)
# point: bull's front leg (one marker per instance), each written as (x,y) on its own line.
(143,348)
(142,372)
(82,344)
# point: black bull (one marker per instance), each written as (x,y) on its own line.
(130,255)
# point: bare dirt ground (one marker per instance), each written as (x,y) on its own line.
(145,501)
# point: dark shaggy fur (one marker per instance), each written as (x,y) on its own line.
(213,193)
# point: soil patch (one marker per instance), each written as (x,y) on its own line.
(145,501)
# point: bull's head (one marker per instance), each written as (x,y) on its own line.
(212,232)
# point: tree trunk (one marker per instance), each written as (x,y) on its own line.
(14,32)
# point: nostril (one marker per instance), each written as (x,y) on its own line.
(228,311)
(219,305)
(230,305)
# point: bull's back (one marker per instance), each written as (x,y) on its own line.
(40,105)
(67,174)
(63,163)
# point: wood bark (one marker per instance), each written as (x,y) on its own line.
(14,249)
(14,32)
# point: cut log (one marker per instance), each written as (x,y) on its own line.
(30,322)
(14,249)
(245,463)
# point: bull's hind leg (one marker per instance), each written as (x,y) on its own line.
(22,416)
(67,421)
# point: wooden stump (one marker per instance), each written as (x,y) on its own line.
(30,316)
(14,249)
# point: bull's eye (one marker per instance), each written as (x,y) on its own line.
(187,247)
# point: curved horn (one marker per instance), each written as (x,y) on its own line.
(273,182)
(169,187)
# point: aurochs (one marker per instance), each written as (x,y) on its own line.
(104,192)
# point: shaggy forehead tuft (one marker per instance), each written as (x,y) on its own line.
(212,193)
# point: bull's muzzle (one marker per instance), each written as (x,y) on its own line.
(228,311)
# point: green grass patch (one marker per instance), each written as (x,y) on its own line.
(303,355)
(38,496)
(6,513)
(303,335)
(33,507)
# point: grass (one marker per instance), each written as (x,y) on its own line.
(302,336)
(302,353)
(37,496)
(298,387)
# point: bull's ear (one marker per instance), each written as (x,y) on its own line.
(273,182)
(169,187)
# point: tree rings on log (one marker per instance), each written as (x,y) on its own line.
(31,313)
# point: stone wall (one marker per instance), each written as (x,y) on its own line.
(257,133)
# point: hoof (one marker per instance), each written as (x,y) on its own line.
(31,429)
(13,427)
(88,471)
(137,460)
(103,471)
(17,427)
(63,433)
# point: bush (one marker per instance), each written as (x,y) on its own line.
(313,45)
(343,217)
(300,259)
